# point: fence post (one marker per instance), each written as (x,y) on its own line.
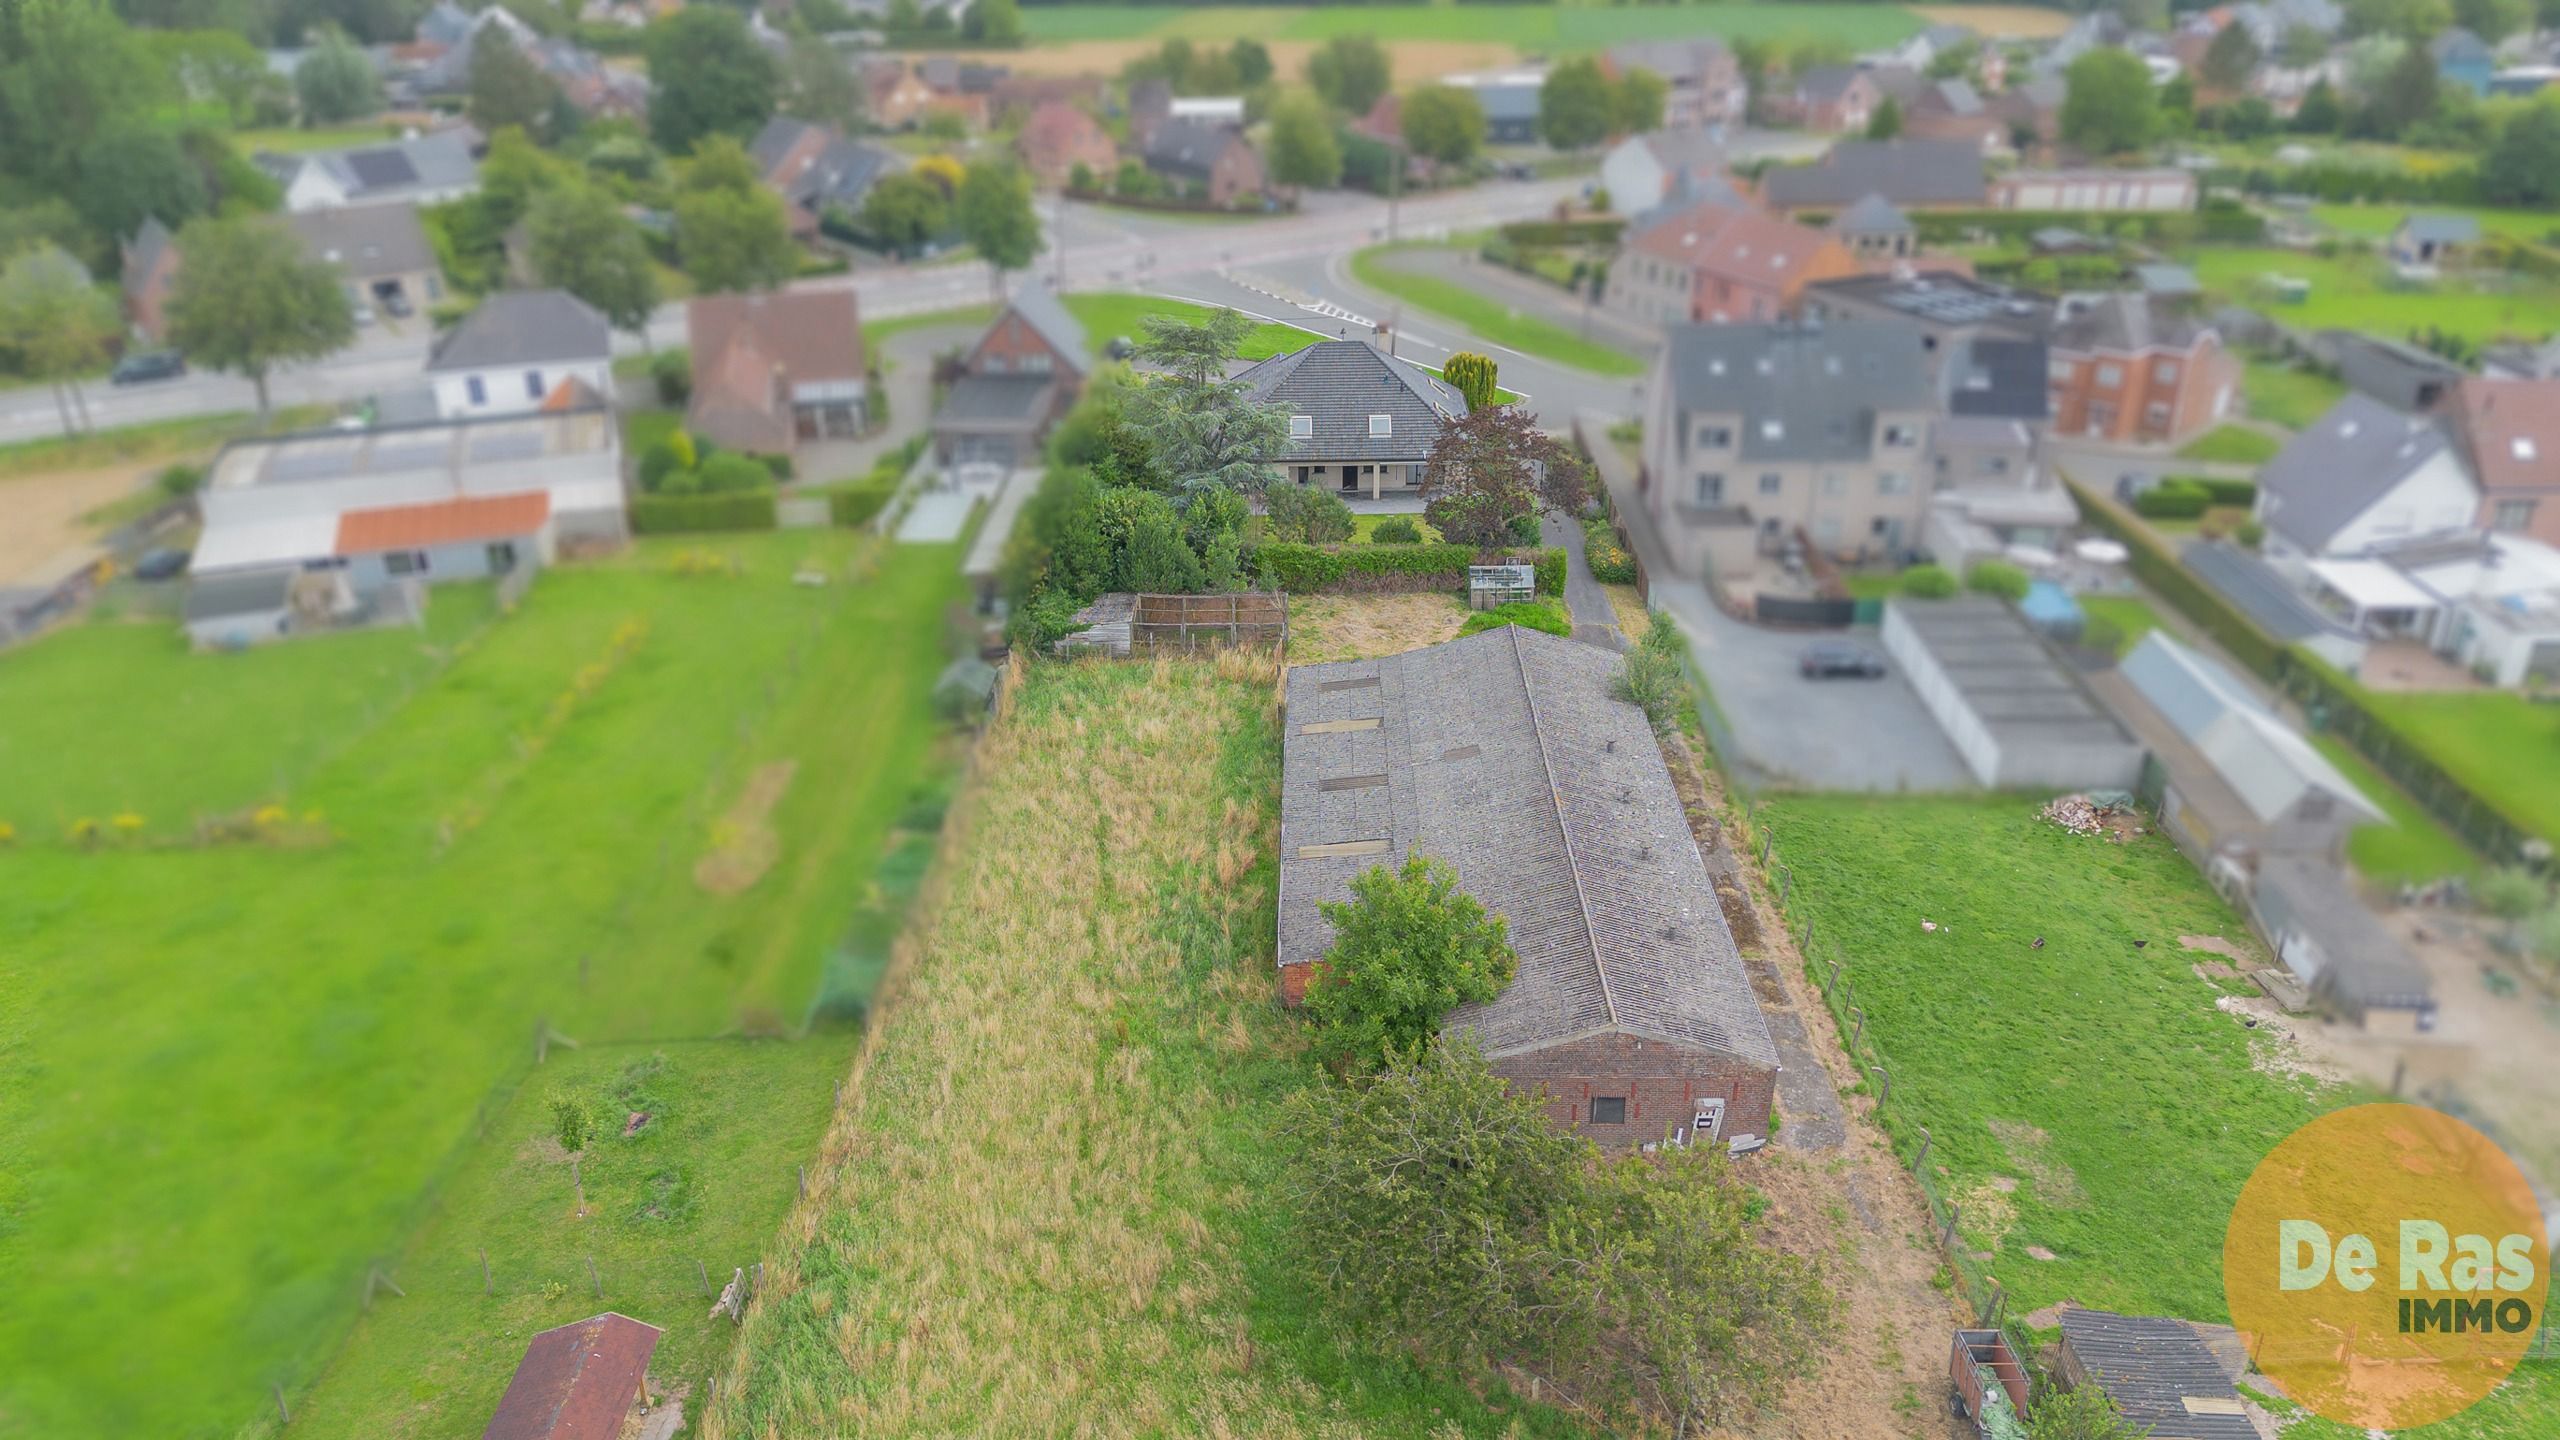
(701,1276)
(1827,985)
(283,1415)
(1921,1159)
(1767,839)
(804,1182)
(1887,1077)
(1858,1032)
(1786,887)
(1947,1237)
(485,1287)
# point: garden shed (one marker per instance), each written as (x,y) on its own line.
(2159,1372)
(1504,755)
(578,1381)
(2016,714)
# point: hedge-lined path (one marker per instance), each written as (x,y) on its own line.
(1594,618)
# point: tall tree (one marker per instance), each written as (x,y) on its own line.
(1409,946)
(2319,113)
(1350,72)
(1252,60)
(1474,375)
(2231,59)
(905,210)
(55,325)
(1443,123)
(1493,465)
(2405,96)
(215,65)
(994,211)
(1301,149)
(2300,47)
(731,232)
(2493,20)
(246,299)
(335,82)
(2108,105)
(992,22)
(1885,121)
(709,77)
(1574,105)
(1201,430)
(583,243)
(69,72)
(2523,164)
(1636,102)
(132,171)
(820,85)
(507,88)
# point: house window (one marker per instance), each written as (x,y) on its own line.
(2060,372)
(404,562)
(1608,1109)
(2164,372)
(1715,437)
(1902,435)
(2156,413)
(1710,489)
(1771,484)
(998,363)
(1381,425)
(476,389)
(502,556)
(2513,515)
(1036,363)
(1835,485)
(533,384)
(1889,483)
(2110,376)
(1302,427)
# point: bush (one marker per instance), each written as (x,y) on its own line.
(2250,534)
(1650,679)
(1386,569)
(1928,582)
(672,370)
(859,502)
(2243,493)
(728,472)
(1997,578)
(779,466)
(690,514)
(1397,530)
(658,462)
(1610,563)
(1307,514)
(1544,615)
(2175,498)
(1524,529)
(181,480)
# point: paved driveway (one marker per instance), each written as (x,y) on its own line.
(1811,734)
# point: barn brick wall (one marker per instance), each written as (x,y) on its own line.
(1293,982)
(1661,1083)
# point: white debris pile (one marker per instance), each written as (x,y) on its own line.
(2076,813)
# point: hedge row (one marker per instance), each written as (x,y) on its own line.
(2184,497)
(1391,569)
(1603,230)
(2217,221)
(690,514)
(2156,567)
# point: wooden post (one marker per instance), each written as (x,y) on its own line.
(1786,887)
(1859,1032)
(1829,984)
(580,1181)
(596,1279)
(1947,1237)
(804,1181)
(390,1284)
(1767,839)
(485,1287)
(1921,1159)
(1887,1077)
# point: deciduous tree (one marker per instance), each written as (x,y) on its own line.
(2231,59)
(335,81)
(992,22)
(1575,105)
(1885,121)
(55,325)
(583,243)
(734,239)
(1408,947)
(905,210)
(820,85)
(1493,465)
(1350,72)
(708,77)
(2523,164)
(1302,149)
(2109,106)
(1636,102)
(994,211)
(132,171)
(1252,60)
(507,88)
(1443,123)
(246,299)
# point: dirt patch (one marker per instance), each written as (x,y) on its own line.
(743,842)
(1363,627)
(2031,1150)
(2216,945)
(44,515)
(1999,22)
(2038,1252)
(1634,620)
(2276,1047)
(1989,1210)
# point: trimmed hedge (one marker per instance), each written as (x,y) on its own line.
(2154,566)
(2216,220)
(1390,569)
(693,514)
(1602,230)
(1546,615)
(2243,493)
(2174,498)
(860,502)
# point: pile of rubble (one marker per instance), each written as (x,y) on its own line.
(2107,813)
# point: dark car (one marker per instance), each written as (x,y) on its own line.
(1837,659)
(161,565)
(1119,348)
(146,366)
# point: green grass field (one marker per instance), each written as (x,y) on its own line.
(2374,222)
(1542,28)
(2087,1071)
(231,1078)
(2232,445)
(2349,291)
(288,139)
(2288,396)
(2495,742)
(1488,319)
(2414,846)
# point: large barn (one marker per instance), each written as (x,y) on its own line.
(1504,755)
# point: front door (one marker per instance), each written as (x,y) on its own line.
(1350,479)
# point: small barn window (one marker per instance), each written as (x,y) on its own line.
(1608,1109)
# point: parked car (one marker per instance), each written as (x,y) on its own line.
(1838,659)
(161,565)
(144,366)
(1120,348)
(396,305)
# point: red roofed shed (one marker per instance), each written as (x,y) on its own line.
(443,522)
(577,1382)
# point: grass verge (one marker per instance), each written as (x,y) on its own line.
(131,444)
(2232,445)
(1485,317)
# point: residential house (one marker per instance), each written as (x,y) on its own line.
(2032,109)
(382,250)
(585,1381)
(1703,84)
(817,171)
(2509,431)
(2159,1373)
(1209,162)
(1059,137)
(593,87)
(897,95)
(1715,263)
(2267,23)
(2166,282)
(1507,755)
(1017,95)
(1361,422)
(421,170)
(2133,370)
(2098,29)
(773,370)
(1831,99)
(2361,476)
(1921,49)
(150,269)
(1954,110)
(1874,230)
(1222,110)
(1024,373)
(1776,429)
(1643,171)
(2430,241)
(2524,80)
(2093,190)
(353,525)
(2463,59)
(960,87)
(1510,101)
(1150,104)
(516,350)
(1911,174)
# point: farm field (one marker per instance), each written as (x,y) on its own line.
(1541,28)
(1489,319)
(232,1076)
(2349,291)
(1054,1152)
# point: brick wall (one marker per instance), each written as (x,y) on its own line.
(1661,1084)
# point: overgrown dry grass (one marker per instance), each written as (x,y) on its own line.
(1048,1205)
(1360,627)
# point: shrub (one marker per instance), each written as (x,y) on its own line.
(181,480)
(859,502)
(1998,578)
(573,1123)
(1397,530)
(1307,514)
(684,514)
(1610,563)
(1382,569)
(2249,533)
(1544,615)
(1524,528)
(2175,498)
(2243,493)
(1407,945)
(672,370)
(779,466)
(1928,582)
(1649,678)
(657,463)
(729,472)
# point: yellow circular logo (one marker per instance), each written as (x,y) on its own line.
(2387,1266)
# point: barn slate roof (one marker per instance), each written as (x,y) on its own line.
(2149,1366)
(1339,384)
(1504,755)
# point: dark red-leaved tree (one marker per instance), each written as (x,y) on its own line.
(1492,466)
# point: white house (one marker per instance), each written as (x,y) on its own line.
(2361,477)
(420,170)
(1643,171)
(517,350)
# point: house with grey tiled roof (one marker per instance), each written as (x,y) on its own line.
(1361,421)
(2363,475)
(1505,756)
(2429,238)
(1024,372)
(423,170)
(518,348)
(1912,174)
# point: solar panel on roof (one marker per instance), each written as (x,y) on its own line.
(513,445)
(378,169)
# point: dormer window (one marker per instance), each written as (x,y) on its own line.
(1381,426)
(1302,427)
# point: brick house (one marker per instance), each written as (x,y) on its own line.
(1715,263)
(1210,160)
(1833,99)
(1361,421)
(1504,755)
(1024,372)
(773,370)
(816,171)
(1702,80)
(2510,431)
(2132,370)
(1057,138)
(150,266)
(1954,110)
(897,95)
